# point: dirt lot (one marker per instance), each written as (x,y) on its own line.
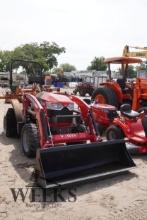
(120,198)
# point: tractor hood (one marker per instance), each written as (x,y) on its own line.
(54,98)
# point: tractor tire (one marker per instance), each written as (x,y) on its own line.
(100,128)
(10,123)
(30,140)
(113,132)
(106,96)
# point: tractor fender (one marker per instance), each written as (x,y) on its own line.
(123,126)
(17,106)
(116,88)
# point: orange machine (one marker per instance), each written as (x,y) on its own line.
(120,91)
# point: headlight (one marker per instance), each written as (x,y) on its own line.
(54,106)
(70,106)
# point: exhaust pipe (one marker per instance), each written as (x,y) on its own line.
(69,165)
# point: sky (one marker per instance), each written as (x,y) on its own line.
(86,28)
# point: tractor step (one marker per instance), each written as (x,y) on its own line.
(69,165)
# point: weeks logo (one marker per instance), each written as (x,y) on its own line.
(36,194)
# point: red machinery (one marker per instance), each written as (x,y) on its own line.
(125,124)
(84,88)
(62,130)
(121,91)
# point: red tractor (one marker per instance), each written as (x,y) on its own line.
(89,83)
(84,88)
(62,130)
(123,124)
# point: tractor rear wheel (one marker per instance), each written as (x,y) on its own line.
(105,96)
(10,123)
(114,132)
(29,139)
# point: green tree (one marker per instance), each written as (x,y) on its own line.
(57,70)
(67,67)
(45,53)
(5,57)
(97,64)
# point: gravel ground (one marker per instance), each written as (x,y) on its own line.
(120,198)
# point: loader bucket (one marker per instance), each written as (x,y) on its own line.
(64,165)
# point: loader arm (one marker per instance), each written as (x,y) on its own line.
(30,100)
(87,115)
(84,107)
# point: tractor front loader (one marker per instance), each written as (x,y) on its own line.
(60,131)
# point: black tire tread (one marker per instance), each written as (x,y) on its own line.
(109,95)
(33,137)
(119,132)
(10,123)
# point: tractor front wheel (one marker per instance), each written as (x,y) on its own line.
(114,132)
(10,123)
(29,139)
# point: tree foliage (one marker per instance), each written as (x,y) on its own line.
(57,70)
(45,53)
(97,64)
(67,67)
(5,57)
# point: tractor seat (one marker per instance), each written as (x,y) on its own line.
(126,110)
(122,83)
